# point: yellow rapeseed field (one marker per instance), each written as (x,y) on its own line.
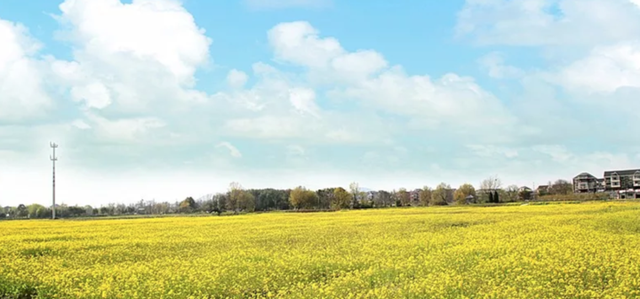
(589,250)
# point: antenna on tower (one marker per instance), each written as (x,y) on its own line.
(53,159)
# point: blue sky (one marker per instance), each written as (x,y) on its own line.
(166,99)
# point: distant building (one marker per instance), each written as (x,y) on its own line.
(600,187)
(470,199)
(415,195)
(625,183)
(542,190)
(585,183)
(524,189)
(371,195)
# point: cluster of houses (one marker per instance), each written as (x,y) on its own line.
(621,184)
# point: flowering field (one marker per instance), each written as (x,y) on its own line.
(589,250)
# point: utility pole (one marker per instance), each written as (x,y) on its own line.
(53,159)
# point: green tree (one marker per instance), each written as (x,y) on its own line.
(491,200)
(496,196)
(404,197)
(464,191)
(246,202)
(76,211)
(188,205)
(325,197)
(37,211)
(301,198)
(270,199)
(341,199)
(239,199)
(440,195)
(425,196)
(21,211)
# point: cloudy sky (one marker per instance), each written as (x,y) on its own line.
(166,99)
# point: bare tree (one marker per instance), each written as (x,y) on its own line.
(382,198)
(511,193)
(491,183)
(488,186)
(235,193)
(355,190)
(561,187)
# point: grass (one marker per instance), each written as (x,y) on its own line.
(586,250)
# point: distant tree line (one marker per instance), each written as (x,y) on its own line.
(239,200)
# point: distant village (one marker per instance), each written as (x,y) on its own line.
(615,184)
(620,184)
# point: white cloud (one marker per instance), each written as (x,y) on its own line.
(236,79)
(233,151)
(282,106)
(364,76)
(549,22)
(155,40)
(592,51)
(341,97)
(95,95)
(303,100)
(158,30)
(127,130)
(494,64)
(358,65)
(299,43)
(361,77)
(22,90)
(328,63)
(143,65)
(454,102)
(604,70)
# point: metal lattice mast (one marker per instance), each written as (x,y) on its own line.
(54,159)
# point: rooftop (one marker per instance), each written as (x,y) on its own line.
(585,175)
(621,172)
